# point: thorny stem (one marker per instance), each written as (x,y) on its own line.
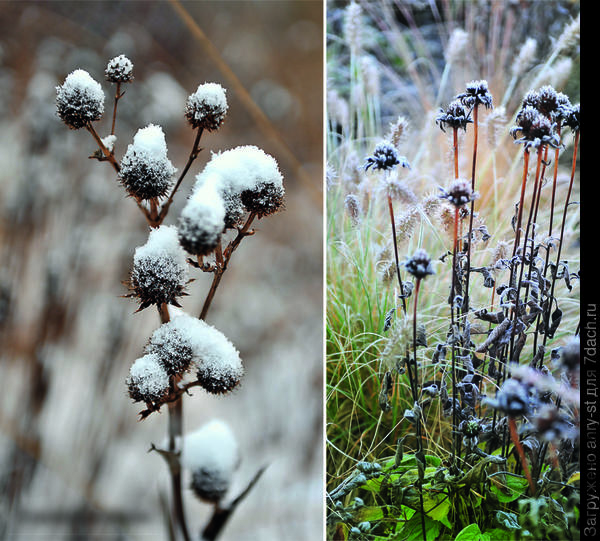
(193,155)
(226,256)
(395,243)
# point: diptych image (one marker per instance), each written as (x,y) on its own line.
(294,270)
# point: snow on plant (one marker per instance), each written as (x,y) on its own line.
(235,188)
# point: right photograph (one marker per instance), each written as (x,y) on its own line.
(452,235)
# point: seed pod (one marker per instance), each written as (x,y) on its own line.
(146,172)
(148,381)
(211,455)
(202,220)
(79,100)
(206,108)
(119,70)
(160,271)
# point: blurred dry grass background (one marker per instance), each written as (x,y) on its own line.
(73,457)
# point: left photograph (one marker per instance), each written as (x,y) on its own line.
(161,270)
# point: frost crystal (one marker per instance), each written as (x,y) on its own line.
(206,108)
(246,177)
(146,171)
(148,381)
(211,454)
(79,100)
(202,220)
(160,270)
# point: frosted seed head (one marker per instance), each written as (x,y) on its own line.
(79,100)
(146,171)
(160,271)
(148,381)
(119,70)
(211,454)
(202,220)
(206,108)
(419,265)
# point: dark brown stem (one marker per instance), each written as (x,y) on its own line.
(193,155)
(455,148)
(118,96)
(226,256)
(512,424)
(395,243)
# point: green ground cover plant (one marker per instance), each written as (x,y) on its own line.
(453,267)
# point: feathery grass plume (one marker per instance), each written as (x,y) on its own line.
(79,100)
(160,271)
(353,209)
(570,36)
(148,380)
(456,46)
(207,107)
(525,58)
(398,131)
(353,27)
(370,74)
(119,70)
(211,454)
(338,111)
(202,220)
(146,171)
(495,125)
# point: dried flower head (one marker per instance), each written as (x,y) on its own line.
(573,117)
(512,398)
(535,129)
(146,171)
(206,108)
(570,354)
(202,220)
(119,70)
(211,454)
(79,100)
(148,381)
(419,264)
(459,193)
(160,271)
(477,93)
(455,116)
(385,157)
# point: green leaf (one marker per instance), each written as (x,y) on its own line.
(508,488)
(369,514)
(412,530)
(472,533)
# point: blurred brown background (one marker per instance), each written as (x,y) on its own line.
(73,457)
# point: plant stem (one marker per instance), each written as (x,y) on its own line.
(395,243)
(118,96)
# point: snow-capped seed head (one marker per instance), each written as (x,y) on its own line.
(573,117)
(119,70)
(419,265)
(206,108)
(148,381)
(247,178)
(570,354)
(535,128)
(173,343)
(477,93)
(385,157)
(160,271)
(459,193)
(218,365)
(79,100)
(146,171)
(455,116)
(512,398)
(202,220)
(211,454)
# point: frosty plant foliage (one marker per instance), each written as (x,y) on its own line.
(235,188)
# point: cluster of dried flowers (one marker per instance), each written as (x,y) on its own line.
(235,187)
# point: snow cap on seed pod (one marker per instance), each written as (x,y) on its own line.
(119,70)
(459,193)
(218,365)
(202,220)
(146,171)
(385,157)
(148,381)
(477,93)
(79,100)
(455,116)
(160,270)
(206,108)
(247,179)
(211,455)
(513,398)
